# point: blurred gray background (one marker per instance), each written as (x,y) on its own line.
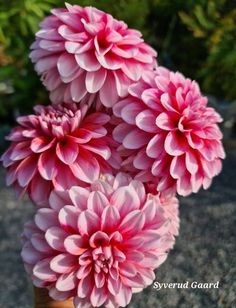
(205,250)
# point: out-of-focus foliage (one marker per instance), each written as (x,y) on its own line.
(196,37)
(214,23)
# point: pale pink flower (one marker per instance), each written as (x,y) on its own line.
(57,147)
(168,133)
(98,245)
(84,50)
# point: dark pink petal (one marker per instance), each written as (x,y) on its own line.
(47,165)
(19,151)
(67,152)
(26,170)
(41,144)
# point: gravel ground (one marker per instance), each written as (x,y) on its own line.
(205,251)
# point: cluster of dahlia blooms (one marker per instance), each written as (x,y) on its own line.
(105,161)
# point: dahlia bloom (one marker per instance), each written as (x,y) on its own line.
(84,50)
(57,147)
(98,244)
(168,133)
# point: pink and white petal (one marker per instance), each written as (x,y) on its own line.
(183,185)
(155,146)
(132,223)
(131,111)
(123,298)
(79,197)
(99,239)
(175,144)
(66,282)
(99,279)
(26,170)
(113,285)
(121,131)
(165,121)
(97,202)
(67,152)
(95,80)
(110,218)
(40,190)
(63,263)
(58,199)
(99,148)
(85,286)
(142,161)
(68,217)
(177,167)
(39,243)
(146,121)
(16,152)
(122,83)
(132,69)
(88,61)
(45,218)
(41,144)
(58,295)
(43,271)
(88,222)
(75,244)
(108,97)
(125,199)
(55,237)
(78,88)
(84,271)
(191,161)
(136,139)
(98,296)
(86,168)
(66,64)
(47,165)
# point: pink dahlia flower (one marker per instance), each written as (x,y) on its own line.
(80,50)
(170,135)
(57,147)
(98,245)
